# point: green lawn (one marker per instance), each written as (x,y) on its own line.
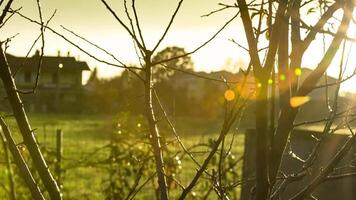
(83,134)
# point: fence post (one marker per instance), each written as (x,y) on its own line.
(59,151)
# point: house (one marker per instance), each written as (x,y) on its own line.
(59,88)
(203,89)
(196,86)
(202,82)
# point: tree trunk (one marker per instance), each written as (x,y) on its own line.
(154,133)
(262,149)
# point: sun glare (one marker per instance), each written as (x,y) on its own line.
(229,95)
(298,101)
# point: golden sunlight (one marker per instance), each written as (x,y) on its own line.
(298,101)
(298,71)
(229,95)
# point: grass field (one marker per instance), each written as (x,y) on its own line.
(83,135)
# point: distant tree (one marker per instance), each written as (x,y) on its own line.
(93,76)
(165,70)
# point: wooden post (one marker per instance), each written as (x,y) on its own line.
(59,152)
(44,136)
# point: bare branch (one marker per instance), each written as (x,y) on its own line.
(143,184)
(6,9)
(228,122)
(204,77)
(40,60)
(8,18)
(320,24)
(122,24)
(201,46)
(33,43)
(169,25)
(77,46)
(310,82)
(224,7)
(129,18)
(138,24)
(21,163)
(307,190)
(252,43)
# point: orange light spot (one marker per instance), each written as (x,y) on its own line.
(259,85)
(245,91)
(229,95)
(298,101)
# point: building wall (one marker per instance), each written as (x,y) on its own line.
(49,78)
(67,97)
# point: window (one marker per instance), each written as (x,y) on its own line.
(27,76)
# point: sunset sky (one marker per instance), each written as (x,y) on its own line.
(90,19)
